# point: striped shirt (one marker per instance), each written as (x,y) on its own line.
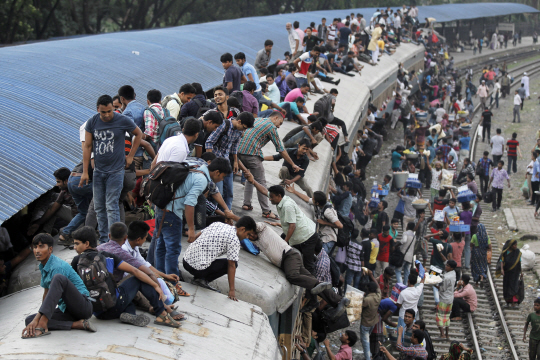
(332,131)
(255,138)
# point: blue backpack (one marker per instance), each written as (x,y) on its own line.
(250,247)
(167,126)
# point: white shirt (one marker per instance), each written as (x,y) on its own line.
(175,149)
(293,36)
(135,253)
(497,88)
(406,241)
(408,298)
(216,240)
(498,144)
(397,22)
(517,100)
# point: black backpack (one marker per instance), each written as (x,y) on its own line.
(202,107)
(92,268)
(334,271)
(167,126)
(432,354)
(344,234)
(163,181)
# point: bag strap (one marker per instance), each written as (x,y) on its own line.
(155,114)
(408,247)
(198,102)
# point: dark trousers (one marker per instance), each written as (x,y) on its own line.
(296,274)
(498,197)
(458,307)
(217,269)
(341,124)
(307,248)
(78,306)
(486,128)
(127,291)
(534,349)
(512,160)
(484,181)
(496,159)
(363,162)
(535,187)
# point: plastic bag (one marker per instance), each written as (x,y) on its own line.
(527,258)
(447,177)
(341,255)
(525,189)
(166,292)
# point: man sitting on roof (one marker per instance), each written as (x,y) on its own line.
(63,287)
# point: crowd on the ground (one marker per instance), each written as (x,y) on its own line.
(166,170)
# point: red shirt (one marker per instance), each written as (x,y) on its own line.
(384,247)
(457,251)
(512,147)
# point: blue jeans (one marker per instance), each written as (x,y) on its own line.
(300,81)
(168,244)
(329,247)
(295,139)
(354,277)
(467,251)
(82,197)
(107,189)
(226,189)
(436,295)
(265,113)
(124,301)
(365,331)
(406,269)
(257,95)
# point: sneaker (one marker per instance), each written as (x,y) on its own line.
(137,320)
(320,288)
(310,306)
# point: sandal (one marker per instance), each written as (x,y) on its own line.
(88,326)
(270,215)
(43,333)
(172,323)
(176,313)
(247,207)
(180,291)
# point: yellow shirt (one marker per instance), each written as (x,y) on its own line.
(265,107)
(375,36)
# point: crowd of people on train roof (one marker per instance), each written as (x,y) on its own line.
(166,169)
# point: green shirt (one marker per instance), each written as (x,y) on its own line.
(290,213)
(474,240)
(534,320)
(393,234)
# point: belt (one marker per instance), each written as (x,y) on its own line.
(74,174)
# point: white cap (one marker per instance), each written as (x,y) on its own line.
(525,73)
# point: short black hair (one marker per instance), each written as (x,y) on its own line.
(386,228)
(104,100)
(537,301)
(268,43)
(198,88)
(444,235)
(220,164)
(316,125)
(191,127)
(276,190)
(514,135)
(43,238)
(413,278)
(138,230)
(410,311)
(317,48)
(116,97)
(305,142)
(118,231)
(319,198)
(208,156)
(240,56)
(213,116)
(411,225)
(250,86)
(334,91)
(421,323)
(479,196)
(353,338)
(187,89)
(384,204)
(86,234)
(499,131)
(247,222)
(234,102)
(227,57)
(300,99)
(501,162)
(466,278)
(247,119)
(389,271)
(452,263)
(418,335)
(302,86)
(372,287)
(264,71)
(296,24)
(154,96)
(62,174)
(224,89)
(127,92)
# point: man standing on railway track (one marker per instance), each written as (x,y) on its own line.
(534,336)
(446,295)
(482,93)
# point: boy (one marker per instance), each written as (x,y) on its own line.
(409,213)
(497,179)
(444,307)
(386,185)
(370,248)
(348,339)
(439,257)
(63,287)
(450,210)
(534,336)
(85,243)
(394,230)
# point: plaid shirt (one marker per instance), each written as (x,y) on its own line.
(151,125)
(354,259)
(445,149)
(255,138)
(230,141)
(322,267)
(483,166)
(411,352)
